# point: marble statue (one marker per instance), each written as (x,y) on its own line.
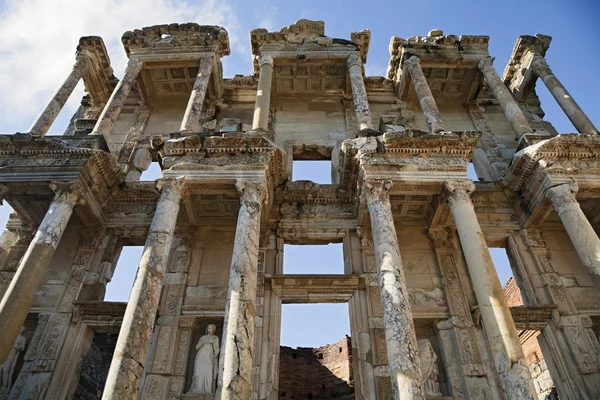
(206,363)
(429,368)
(8,368)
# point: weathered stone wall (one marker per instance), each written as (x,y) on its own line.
(95,367)
(317,373)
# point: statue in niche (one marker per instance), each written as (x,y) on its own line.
(8,368)
(429,368)
(206,363)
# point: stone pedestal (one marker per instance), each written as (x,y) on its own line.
(235,362)
(260,121)
(44,121)
(126,369)
(112,109)
(428,105)
(500,329)
(194,106)
(401,341)
(581,122)
(578,227)
(359,92)
(511,108)
(22,290)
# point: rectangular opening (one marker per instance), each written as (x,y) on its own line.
(119,288)
(95,366)
(315,171)
(471,173)
(311,161)
(313,259)
(152,173)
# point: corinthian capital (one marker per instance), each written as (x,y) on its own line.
(353,60)
(486,63)
(377,190)
(69,193)
(540,66)
(251,191)
(562,195)
(456,192)
(266,59)
(173,189)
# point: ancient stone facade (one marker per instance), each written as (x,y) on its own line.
(415,229)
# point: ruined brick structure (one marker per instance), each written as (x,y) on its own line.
(427,311)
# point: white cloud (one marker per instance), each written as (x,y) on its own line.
(39,38)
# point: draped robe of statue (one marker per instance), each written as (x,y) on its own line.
(206,363)
(429,368)
(8,368)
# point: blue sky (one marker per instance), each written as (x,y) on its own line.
(40,36)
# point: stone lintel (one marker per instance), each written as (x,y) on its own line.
(315,288)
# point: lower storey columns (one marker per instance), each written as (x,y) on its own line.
(22,290)
(401,341)
(428,105)
(500,329)
(359,92)
(260,121)
(578,118)
(235,363)
(127,365)
(578,227)
(194,106)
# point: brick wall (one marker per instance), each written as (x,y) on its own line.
(317,373)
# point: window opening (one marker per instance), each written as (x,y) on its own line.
(152,173)
(313,259)
(318,171)
(119,288)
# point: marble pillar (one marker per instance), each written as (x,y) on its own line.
(23,288)
(260,121)
(511,108)
(235,363)
(578,227)
(111,111)
(428,105)
(46,118)
(506,350)
(194,106)
(127,365)
(401,341)
(359,92)
(578,118)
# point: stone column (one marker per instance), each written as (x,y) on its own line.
(578,227)
(194,106)
(235,363)
(359,92)
(401,341)
(46,118)
(260,121)
(500,329)
(428,105)
(124,375)
(22,290)
(511,108)
(111,111)
(578,118)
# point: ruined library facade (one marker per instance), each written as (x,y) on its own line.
(427,311)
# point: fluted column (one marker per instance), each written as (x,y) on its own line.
(263,95)
(401,341)
(111,111)
(578,118)
(359,92)
(127,364)
(578,227)
(22,290)
(194,106)
(500,329)
(511,108)
(428,104)
(235,363)
(44,121)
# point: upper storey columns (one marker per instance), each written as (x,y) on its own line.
(511,108)
(581,122)
(359,92)
(428,104)
(194,106)
(46,118)
(260,121)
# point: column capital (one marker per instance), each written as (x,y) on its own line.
(266,59)
(81,63)
(174,189)
(455,192)
(540,66)
(354,60)
(413,60)
(486,63)
(69,193)
(562,195)
(377,190)
(134,66)
(251,191)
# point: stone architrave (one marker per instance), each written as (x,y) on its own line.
(401,340)
(260,121)
(194,106)
(46,118)
(511,108)
(359,92)
(235,363)
(575,114)
(111,111)
(23,287)
(578,227)
(426,99)
(127,365)
(508,355)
